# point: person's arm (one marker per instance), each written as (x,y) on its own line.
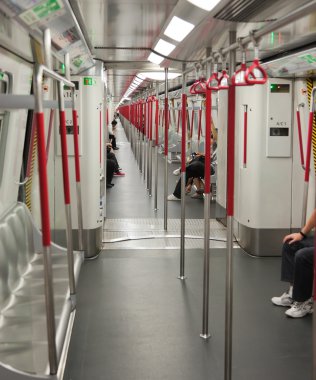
(297,236)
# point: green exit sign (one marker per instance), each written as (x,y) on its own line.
(87,81)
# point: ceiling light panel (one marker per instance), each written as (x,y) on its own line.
(164,47)
(207,5)
(160,75)
(154,58)
(178,29)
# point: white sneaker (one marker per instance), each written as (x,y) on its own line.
(284,300)
(299,309)
(171,197)
(177,171)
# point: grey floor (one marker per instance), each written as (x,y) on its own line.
(135,320)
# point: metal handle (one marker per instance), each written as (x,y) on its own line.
(299,130)
(245,135)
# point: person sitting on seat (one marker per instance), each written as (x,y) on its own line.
(112,137)
(194,171)
(297,269)
(111,156)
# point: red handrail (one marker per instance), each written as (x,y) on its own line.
(299,130)
(256,74)
(245,135)
(76,144)
(166,126)
(198,87)
(192,122)
(42,173)
(223,81)
(212,82)
(64,150)
(184,131)
(157,122)
(207,165)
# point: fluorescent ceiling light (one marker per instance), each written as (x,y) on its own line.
(178,29)
(159,75)
(207,5)
(154,58)
(164,47)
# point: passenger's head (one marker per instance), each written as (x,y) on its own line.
(114,122)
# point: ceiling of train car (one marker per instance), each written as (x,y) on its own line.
(121,32)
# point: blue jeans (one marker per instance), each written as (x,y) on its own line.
(298,267)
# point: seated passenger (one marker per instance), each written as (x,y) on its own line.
(297,269)
(194,172)
(112,137)
(111,156)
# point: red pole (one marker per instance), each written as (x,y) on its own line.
(42,171)
(184,132)
(207,168)
(76,144)
(299,129)
(192,121)
(157,122)
(309,145)
(200,126)
(231,151)
(166,126)
(245,135)
(63,137)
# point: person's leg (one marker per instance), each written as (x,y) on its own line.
(289,252)
(303,274)
(110,167)
(111,156)
(303,283)
(194,169)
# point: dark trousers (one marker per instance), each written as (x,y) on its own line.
(110,169)
(111,156)
(113,140)
(195,169)
(297,267)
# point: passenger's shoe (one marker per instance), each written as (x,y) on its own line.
(197,196)
(177,171)
(116,148)
(284,300)
(171,197)
(299,309)
(119,174)
(109,185)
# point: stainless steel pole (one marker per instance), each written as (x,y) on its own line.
(69,238)
(207,188)
(46,241)
(166,152)
(183,176)
(230,214)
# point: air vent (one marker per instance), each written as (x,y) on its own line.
(244,10)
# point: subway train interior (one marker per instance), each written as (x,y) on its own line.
(157,189)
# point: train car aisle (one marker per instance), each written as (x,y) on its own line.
(136,321)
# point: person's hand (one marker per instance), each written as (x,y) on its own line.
(292,238)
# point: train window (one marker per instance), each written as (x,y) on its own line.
(279,88)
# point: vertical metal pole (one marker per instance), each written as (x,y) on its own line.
(166,151)
(183,175)
(207,187)
(47,49)
(64,150)
(156,147)
(150,125)
(230,214)
(46,239)
(76,151)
